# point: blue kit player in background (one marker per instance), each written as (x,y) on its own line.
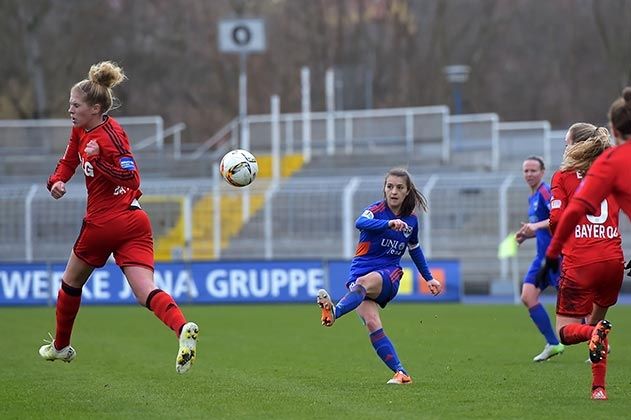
(538,227)
(387,228)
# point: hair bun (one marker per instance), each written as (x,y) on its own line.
(106,73)
(626,94)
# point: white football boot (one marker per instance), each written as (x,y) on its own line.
(549,351)
(188,347)
(50,353)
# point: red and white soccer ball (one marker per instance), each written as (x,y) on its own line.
(239,167)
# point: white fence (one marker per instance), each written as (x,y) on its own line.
(475,139)
(304,217)
(51,135)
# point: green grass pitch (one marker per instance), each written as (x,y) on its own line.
(276,361)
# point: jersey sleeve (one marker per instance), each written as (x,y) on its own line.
(367,221)
(122,171)
(558,201)
(413,242)
(68,163)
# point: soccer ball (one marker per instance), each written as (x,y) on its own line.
(239,167)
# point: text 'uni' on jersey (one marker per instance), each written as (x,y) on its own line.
(111,176)
(379,246)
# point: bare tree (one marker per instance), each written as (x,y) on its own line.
(612,19)
(562,61)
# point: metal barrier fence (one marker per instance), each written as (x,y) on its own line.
(302,217)
(472,138)
(51,135)
(477,140)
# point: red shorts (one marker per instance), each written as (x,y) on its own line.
(127,236)
(581,287)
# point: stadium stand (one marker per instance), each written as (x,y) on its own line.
(469,167)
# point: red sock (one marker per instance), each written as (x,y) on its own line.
(165,308)
(599,371)
(68,302)
(576,333)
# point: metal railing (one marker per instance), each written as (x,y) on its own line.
(477,139)
(159,140)
(51,135)
(307,217)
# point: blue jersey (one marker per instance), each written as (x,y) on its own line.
(379,246)
(538,210)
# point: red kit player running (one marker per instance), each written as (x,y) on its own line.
(114,222)
(607,177)
(593,262)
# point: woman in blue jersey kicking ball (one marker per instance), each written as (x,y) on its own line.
(386,228)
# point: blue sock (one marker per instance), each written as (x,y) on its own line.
(351,300)
(384,348)
(542,321)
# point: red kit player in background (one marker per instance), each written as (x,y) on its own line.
(593,262)
(114,222)
(608,176)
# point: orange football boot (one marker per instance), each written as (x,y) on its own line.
(597,348)
(400,378)
(326,304)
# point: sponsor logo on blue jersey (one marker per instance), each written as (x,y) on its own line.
(127,163)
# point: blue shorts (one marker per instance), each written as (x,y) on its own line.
(531,275)
(390,278)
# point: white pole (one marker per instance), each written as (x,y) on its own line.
(446,137)
(187,211)
(216,213)
(495,143)
(330,109)
(503,222)
(409,131)
(306,113)
(427,223)
(348,134)
(245,129)
(268,225)
(243,102)
(28,222)
(275,105)
(177,145)
(289,135)
(347,211)
(160,133)
(547,147)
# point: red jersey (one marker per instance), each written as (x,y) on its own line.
(608,176)
(111,177)
(596,237)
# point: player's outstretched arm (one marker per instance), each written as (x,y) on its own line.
(367,223)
